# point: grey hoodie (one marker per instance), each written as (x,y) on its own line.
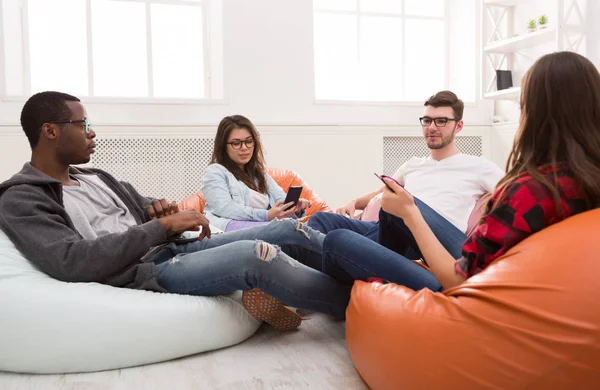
(33,216)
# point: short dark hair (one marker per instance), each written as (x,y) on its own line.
(42,108)
(447,99)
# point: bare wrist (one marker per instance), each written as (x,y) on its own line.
(166,224)
(413,218)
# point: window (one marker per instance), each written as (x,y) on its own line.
(116,48)
(394,50)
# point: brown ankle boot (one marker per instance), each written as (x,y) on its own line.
(265,308)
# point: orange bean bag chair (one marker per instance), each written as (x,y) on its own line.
(286,178)
(283,177)
(529,321)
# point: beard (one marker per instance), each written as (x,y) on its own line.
(442,141)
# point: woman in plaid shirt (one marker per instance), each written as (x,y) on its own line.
(553,172)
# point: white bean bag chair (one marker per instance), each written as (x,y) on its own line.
(48,326)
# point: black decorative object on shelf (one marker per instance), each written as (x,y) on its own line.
(503,79)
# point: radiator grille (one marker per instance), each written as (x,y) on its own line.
(398,150)
(157,167)
(172,167)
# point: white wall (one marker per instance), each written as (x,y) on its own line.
(268,75)
(593,32)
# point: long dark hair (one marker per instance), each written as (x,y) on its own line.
(253,174)
(560,122)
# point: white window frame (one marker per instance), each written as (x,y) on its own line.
(410,103)
(2,55)
(206,45)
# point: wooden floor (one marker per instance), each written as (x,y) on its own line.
(313,357)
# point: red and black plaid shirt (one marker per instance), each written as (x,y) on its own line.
(527,207)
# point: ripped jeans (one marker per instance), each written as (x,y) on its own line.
(245,259)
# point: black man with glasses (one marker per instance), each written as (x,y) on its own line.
(81,224)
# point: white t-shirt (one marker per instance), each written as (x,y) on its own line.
(258,200)
(451,186)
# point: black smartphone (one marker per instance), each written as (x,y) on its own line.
(293,195)
(381,177)
(180,239)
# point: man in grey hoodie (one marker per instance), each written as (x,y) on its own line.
(82,225)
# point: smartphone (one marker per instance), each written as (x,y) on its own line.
(381,177)
(293,195)
(180,239)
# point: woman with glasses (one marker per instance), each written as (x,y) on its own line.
(553,172)
(238,190)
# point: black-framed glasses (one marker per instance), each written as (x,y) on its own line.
(237,144)
(439,122)
(88,124)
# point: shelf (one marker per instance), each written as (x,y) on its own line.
(523,41)
(503,94)
(505,3)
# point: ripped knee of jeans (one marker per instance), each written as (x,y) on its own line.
(268,252)
(300,228)
(265,251)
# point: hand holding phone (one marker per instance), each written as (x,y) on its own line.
(400,203)
(293,195)
(386,184)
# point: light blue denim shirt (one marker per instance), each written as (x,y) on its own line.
(228,198)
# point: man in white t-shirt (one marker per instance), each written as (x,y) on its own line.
(446,185)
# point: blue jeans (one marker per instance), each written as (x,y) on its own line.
(349,256)
(242,260)
(392,235)
(395,235)
(328,222)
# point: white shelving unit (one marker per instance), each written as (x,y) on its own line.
(504,94)
(501,43)
(520,42)
(505,3)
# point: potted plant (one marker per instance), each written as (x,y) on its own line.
(543,21)
(532,25)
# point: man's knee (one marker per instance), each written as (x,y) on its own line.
(337,238)
(316,221)
(268,253)
(249,251)
(265,252)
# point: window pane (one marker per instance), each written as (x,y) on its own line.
(380,58)
(425,58)
(13,48)
(463,55)
(382,6)
(58,46)
(177,56)
(425,8)
(119,43)
(336,64)
(343,5)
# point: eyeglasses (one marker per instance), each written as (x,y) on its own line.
(237,144)
(439,122)
(88,124)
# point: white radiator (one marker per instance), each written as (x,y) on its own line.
(158,167)
(172,166)
(398,150)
